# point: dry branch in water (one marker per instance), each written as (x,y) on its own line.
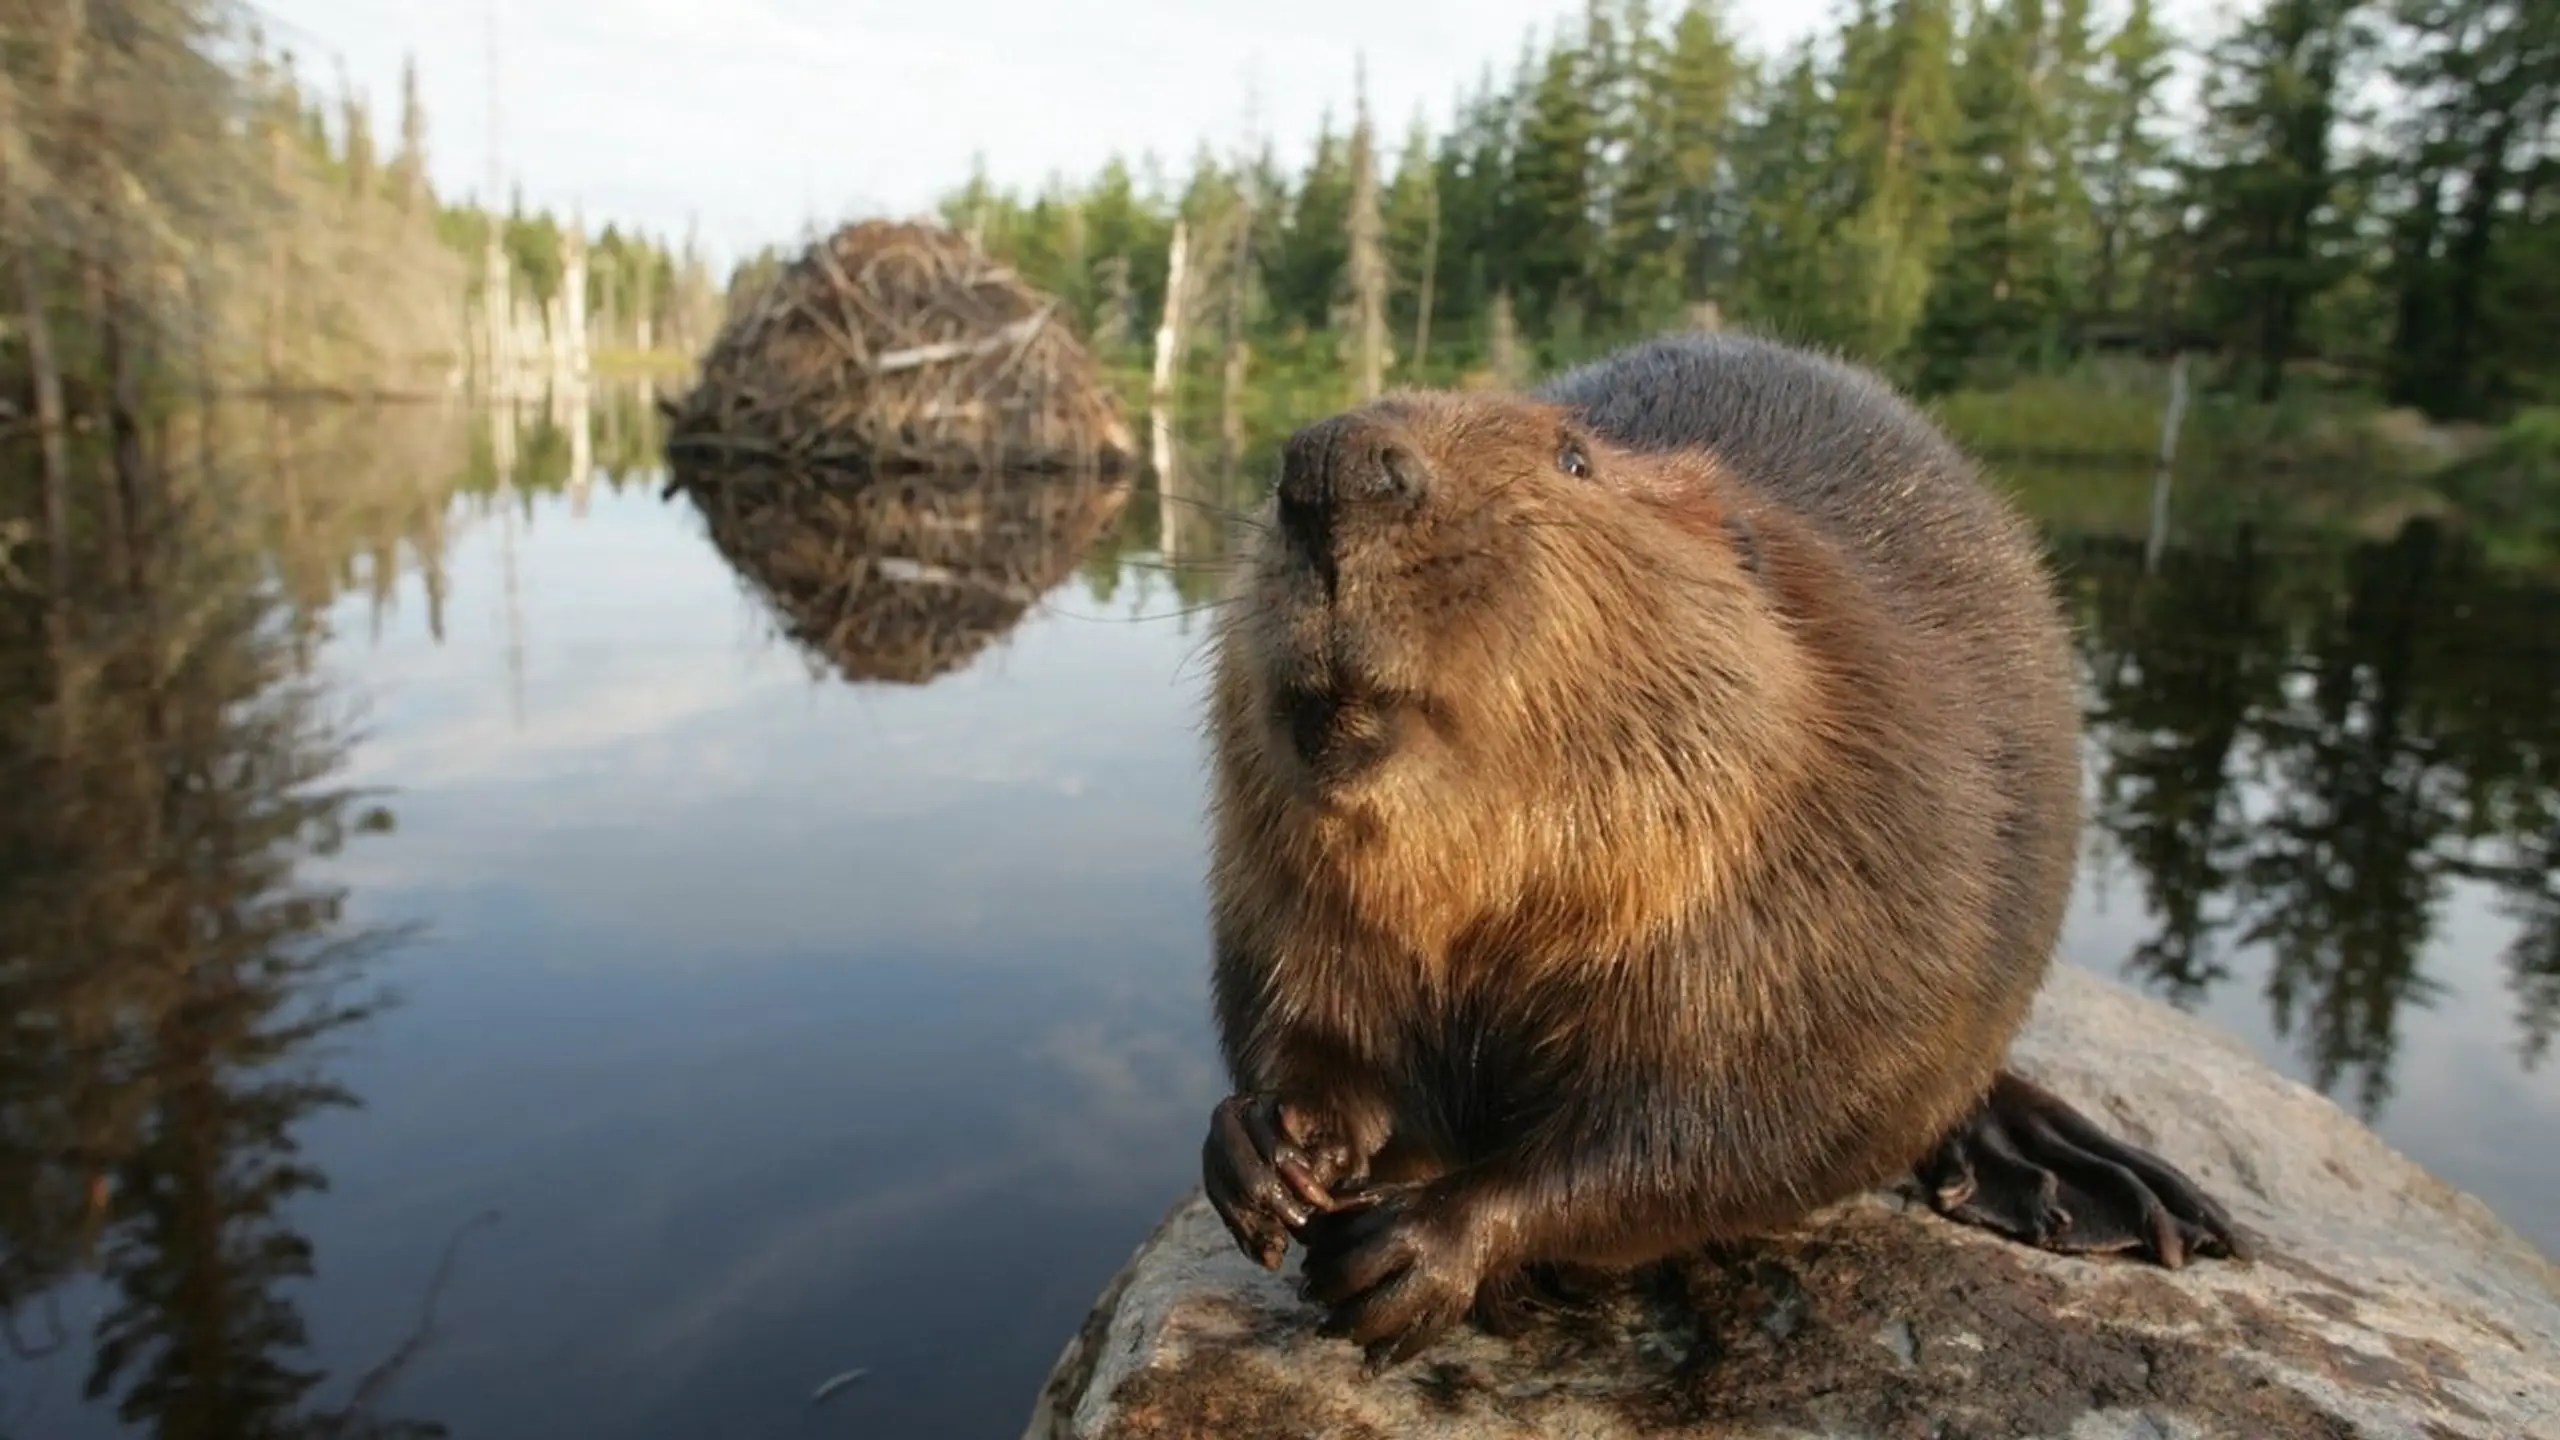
(900,578)
(892,347)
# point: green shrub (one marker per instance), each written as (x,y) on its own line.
(2512,487)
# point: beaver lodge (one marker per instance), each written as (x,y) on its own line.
(893,347)
(901,578)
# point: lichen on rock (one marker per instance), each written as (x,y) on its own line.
(2381,1303)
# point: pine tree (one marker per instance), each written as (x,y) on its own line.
(1792,197)
(976,209)
(1274,193)
(2013,196)
(357,121)
(1615,48)
(2274,238)
(2124,159)
(1473,185)
(1413,236)
(1118,233)
(1306,272)
(409,165)
(1057,243)
(2483,77)
(1552,192)
(1950,210)
(1700,86)
(1897,128)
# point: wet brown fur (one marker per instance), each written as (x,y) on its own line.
(1722,812)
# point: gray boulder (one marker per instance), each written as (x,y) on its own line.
(2382,1303)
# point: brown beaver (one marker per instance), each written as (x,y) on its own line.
(1643,814)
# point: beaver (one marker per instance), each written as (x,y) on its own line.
(1643,812)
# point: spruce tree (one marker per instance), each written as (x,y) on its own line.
(1552,192)
(1791,197)
(2124,163)
(1413,235)
(2274,239)
(1307,271)
(1701,86)
(1898,123)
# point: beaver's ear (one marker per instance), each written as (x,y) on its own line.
(1573,452)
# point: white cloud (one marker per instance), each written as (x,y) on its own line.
(653,739)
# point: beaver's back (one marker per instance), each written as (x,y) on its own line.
(1954,562)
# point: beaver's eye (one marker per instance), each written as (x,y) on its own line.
(1571,460)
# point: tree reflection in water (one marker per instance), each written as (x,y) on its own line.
(169,972)
(2301,751)
(2307,751)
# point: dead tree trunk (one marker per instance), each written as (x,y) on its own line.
(1368,259)
(277,261)
(1239,299)
(123,405)
(573,298)
(18,210)
(608,318)
(1111,324)
(202,359)
(1170,331)
(644,309)
(1505,340)
(1429,284)
(51,422)
(2158,539)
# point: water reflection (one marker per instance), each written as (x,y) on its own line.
(173,972)
(900,578)
(800,1022)
(2302,750)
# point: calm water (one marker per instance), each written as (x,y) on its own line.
(759,1024)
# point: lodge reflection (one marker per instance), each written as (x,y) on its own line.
(2301,750)
(170,966)
(899,578)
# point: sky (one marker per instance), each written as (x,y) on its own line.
(751,117)
(754,115)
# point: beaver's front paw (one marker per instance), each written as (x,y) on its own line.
(1395,1267)
(1267,1167)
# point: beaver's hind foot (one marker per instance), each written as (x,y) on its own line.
(2029,1166)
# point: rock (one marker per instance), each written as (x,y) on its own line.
(2382,1303)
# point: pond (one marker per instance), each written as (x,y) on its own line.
(748,1024)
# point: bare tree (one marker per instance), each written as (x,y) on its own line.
(1236,356)
(1173,330)
(1368,258)
(1429,283)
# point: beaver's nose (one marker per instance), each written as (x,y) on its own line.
(1346,463)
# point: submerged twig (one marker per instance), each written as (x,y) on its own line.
(834,1383)
(378,1379)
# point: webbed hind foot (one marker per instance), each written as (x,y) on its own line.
(2029,1166)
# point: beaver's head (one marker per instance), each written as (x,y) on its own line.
(1476,590)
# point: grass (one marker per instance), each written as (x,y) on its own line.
(2083,443)
(2112,418)
(2078,497)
